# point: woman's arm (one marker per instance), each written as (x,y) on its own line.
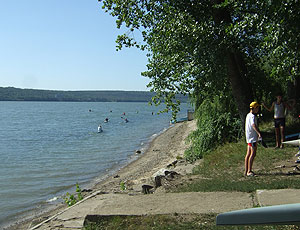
(269,109)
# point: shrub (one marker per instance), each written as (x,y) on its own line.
(71,199)
(217,123)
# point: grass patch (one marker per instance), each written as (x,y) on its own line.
(170,222)
(246,185)
(151,222)
(223,168)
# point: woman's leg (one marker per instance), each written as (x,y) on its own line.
(248,153)
(251,158)
(277,137)
(282,135)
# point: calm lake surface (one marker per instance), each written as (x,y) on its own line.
(47,147)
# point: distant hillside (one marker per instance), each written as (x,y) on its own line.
(16,94)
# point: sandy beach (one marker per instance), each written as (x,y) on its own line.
(162,151)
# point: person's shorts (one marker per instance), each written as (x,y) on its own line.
(252,144)
(279,122)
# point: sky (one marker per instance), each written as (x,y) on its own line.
(65,45)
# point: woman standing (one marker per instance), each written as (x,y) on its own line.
(279,107)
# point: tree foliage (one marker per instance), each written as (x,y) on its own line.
(244,49)
(187,42)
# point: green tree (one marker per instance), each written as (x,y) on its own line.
(209,47)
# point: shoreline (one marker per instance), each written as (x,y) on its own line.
(160,151)
(97,181)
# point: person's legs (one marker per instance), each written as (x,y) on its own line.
(277,132)
(282,128)
(282,135)
(247,159)
(251,158)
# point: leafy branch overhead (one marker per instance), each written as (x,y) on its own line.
(203,48)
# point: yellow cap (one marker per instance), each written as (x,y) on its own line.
(254,104)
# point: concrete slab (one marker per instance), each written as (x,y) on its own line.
(278,197)
(210,202)
(167,203)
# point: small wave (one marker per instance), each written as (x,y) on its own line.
(52,199)
(165,129)
(154,135)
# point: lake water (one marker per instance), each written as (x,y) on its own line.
(48,147)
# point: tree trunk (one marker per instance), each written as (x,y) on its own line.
(237,71)
(241,88)
(293,92)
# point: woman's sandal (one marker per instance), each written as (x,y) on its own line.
(250,174)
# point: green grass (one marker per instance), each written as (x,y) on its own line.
(159,222)
(223,170)
(171,222)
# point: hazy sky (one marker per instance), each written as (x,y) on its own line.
(65,45)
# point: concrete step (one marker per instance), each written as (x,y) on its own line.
(165,203)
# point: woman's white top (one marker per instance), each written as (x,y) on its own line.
(279,110)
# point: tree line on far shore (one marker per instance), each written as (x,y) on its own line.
(17,94)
